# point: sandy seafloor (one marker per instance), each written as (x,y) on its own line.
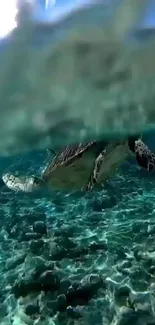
(78,260)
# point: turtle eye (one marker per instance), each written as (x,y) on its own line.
(36,180)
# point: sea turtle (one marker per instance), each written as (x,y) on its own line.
(83,165)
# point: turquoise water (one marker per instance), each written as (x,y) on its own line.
(76,74)
(70,258)
(78,259)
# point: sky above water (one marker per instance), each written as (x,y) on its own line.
(149,18)
(50,9)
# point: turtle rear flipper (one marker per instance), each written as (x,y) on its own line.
(144,156)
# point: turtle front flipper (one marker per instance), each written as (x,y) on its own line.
(96,169)
(144,156)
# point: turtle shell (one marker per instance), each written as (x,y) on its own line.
(116,153)
(71,167)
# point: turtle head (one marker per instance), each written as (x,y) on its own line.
(9,180)
(22,183)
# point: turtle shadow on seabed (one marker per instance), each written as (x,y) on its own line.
(55,196)
(37,194)
(60,198)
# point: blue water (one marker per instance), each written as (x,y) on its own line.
(148,19)
(74,258)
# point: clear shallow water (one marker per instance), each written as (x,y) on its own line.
(67,258)
(76,75)
(73,259)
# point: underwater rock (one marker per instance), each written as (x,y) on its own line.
(36,245)
(3,312)
(39,275)
(78,252)
(34,263)
(20,317)
(69,231)
(85,250)
(61,318)
(32,309)
(59,253)
(14,261)
(66,243)
(96,217)
(94,315)
(139,272)
(152,269)
(142,300)
(61,303)
(128,316)
(34,266)
(64,285)
(74,312)
(37,215)
(137,253)
(40,227)
(82,293)
(122,294)
(29,236)
(98,246)
(47,281)
(96,205)
(99,205)
(14,230)
(10,303)
(65,247)
(20,288)
(91,279)
(151,229)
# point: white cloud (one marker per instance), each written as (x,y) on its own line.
(8,11)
